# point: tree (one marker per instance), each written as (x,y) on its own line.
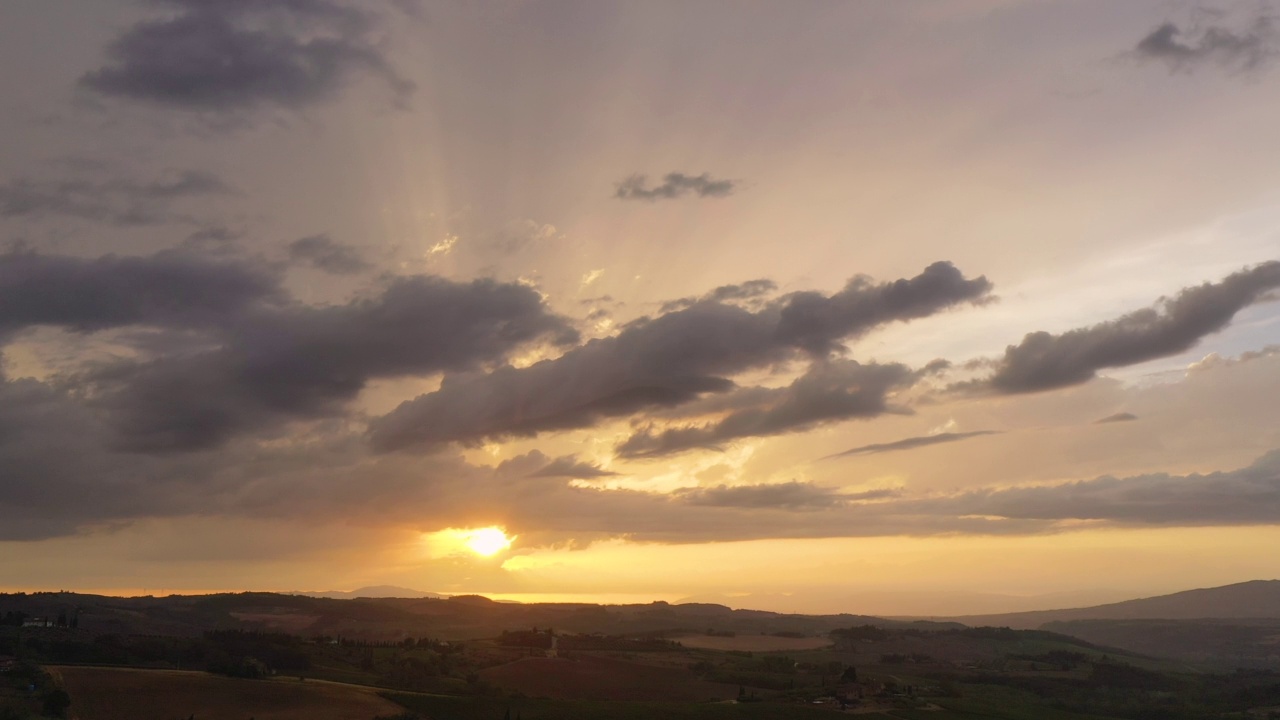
(55,702)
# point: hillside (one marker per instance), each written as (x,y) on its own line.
(383,619)
(1247,600)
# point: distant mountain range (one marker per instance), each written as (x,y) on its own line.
(373,591)
(1246,600)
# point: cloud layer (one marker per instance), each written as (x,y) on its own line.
(242,403)
(665,361)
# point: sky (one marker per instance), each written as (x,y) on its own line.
(874,306)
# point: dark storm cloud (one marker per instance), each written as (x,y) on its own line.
(1246,49)
(227,55)
(1118,417)
(324,253)
(1043,361)
(169,288)
(828,392)
(119,201)
(674,185)
(1245,496)
(570,467)
(662,362)
(912,443)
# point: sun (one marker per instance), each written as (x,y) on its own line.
(487,541)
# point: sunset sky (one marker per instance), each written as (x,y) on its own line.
(883,306)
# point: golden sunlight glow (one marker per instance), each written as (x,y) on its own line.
(487,541)
(456,542)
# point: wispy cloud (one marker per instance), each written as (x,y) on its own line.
(914,442)
(1184,48)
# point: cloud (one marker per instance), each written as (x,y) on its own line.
(674,185)
(570,467)
(1243,50)
(306,362)
(119,201)
(324,253)
(55,446)
(242,407)
(817,323)
(662,362)
(171,288)
(1043,361)
(230,55)
(790,495)
(751,290)
(828,392)
(1118,417)
(912,443)
(1214,360)
(1236,497)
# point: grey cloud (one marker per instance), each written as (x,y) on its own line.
(169,288)
(54,471)
(674,185)
(1239,50)
(1043,361)
(816,322)
(570,467)
(1118,417)
(661,362)
(214,239)
(303,362)
(120,201)
(1245,496)
(749,290)
(790,495)
(228,55)
(828,392)
(324,253)
(912,443)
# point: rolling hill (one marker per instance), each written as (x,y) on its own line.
(1246,600)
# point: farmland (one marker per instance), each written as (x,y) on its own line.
(603,678)
(753,643)
(113,693)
